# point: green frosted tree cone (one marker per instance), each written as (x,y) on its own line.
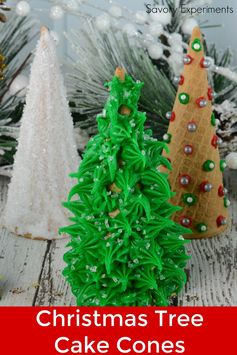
(125,249)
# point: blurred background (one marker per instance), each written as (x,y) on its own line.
(223,36)
(93,37)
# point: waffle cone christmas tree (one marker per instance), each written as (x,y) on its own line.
(125,248)
(197,171)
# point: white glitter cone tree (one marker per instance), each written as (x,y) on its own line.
(46,152)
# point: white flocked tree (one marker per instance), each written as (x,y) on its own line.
(46,152)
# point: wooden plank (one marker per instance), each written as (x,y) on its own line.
(3,192)
(54,290)
(212,270)
(20,264)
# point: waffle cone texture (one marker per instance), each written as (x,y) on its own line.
(197,171)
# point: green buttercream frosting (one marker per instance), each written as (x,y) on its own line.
(125,250)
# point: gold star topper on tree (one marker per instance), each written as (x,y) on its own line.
(197,171)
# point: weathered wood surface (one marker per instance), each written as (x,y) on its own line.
(20,264)
(53,289)
(30,271)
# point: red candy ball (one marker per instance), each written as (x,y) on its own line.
(188,59)
(186,221)
(201,102)
(210,93)
(181,80)
(221,221)
(202,62)
(172,118)
(205,186)
(214,141)
(221,192)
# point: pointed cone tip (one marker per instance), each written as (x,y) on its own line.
(43,30)
(120,73)
(197,33)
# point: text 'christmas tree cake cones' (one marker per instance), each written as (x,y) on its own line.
(197,171)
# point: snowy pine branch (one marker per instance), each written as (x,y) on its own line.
(98,55)
(15,35)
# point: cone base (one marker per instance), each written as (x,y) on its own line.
(208,234)
(30,236)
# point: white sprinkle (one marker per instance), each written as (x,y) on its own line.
(227,203)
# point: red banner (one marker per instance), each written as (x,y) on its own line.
(118,330)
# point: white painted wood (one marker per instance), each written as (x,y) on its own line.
(20,264)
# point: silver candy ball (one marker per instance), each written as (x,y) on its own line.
(184,181)
(188,149)
(168,115)
(192,127)
(223,221)
(176,80)
(186,221)
(225,191)
(206,63)
(208,187)
(186,60)
(219,141)
(203,103)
